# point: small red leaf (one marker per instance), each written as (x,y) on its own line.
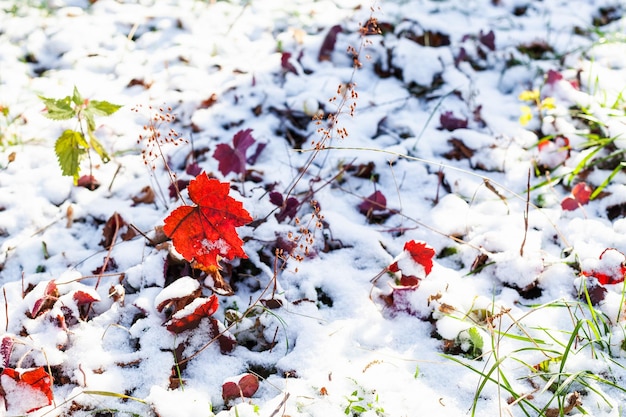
(233,159)
(204,232)
(227,341)
(83,298)
(569,204)
(580,196)
(488,39)
(190,316)
(421,254)
(45,303)
(553,77)
(6,347)
(244,385)
(375,202)
(612,267)
(285,64)
(450,122)
(581,192)
(328,46)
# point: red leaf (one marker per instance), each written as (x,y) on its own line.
(581,192)
(244,385)
(6,347)
(488,39)
(328,45)
(226,340)
(612,270)
(569,204)
(36,379)
(189,317)
(553,77)
(375,202)
(450,122)
(83,298)
(580,196)
(203,232)
(233,159)
(286,65)
(45,303)
(421,254)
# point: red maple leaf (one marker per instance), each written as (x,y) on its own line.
(233,159)
(35,379)
(206,231)
(421,254)
(190,316)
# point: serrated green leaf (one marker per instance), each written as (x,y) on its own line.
(76,97)
(102,108)
(60,109)
(97,146)
(70,147)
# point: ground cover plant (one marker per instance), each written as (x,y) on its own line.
(312,208)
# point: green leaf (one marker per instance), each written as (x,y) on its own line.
(91,122)
(102,108)
(476,340)
(97,146)
(60,109)
(70,147)
(77,98)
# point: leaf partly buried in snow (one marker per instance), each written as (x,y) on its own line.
(32,386)
(190,316)
(204,232)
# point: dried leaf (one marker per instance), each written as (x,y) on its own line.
(450,122)
(145,196)
(45,303)
(6,347)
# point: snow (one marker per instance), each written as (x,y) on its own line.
(316,332)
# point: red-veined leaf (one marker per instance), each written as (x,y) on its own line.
(204,232)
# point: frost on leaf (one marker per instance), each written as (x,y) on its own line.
(189,317)
(25,391)
(206,232)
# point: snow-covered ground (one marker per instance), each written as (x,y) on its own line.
(523,311)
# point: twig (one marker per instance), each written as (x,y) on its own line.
(521,249)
